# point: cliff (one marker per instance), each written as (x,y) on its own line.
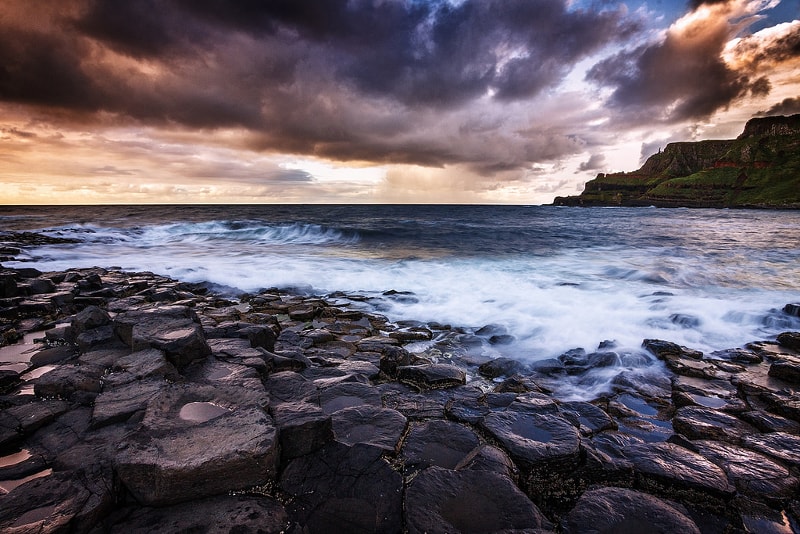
(760,169)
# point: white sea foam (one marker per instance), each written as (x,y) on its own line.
(708,294)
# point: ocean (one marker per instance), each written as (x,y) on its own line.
(553,278)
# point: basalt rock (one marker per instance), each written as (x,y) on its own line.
(303,427)
(751,472)
(344,489)
(440,443)
(201,428)
(696,422)
(234,513)
(173,329)
(442,500)
(432,376)
(369,425)
(677,472)
(625,510)
(235,450)
(60,502)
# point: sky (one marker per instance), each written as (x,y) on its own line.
(372,101)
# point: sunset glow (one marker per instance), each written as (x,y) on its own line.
(369,102)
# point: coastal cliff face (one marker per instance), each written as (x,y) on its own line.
(760,168)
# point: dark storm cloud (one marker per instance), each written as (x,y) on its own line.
(694,79)
(694,4)
(595,162)
(341,79)
(789,106)
(684,76)
(36,68)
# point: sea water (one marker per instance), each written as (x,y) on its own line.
(554,278)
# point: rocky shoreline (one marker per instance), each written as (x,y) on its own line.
(137,403)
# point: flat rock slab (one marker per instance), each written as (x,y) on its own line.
(534,440)
(587,417)
(442,500)
(60,502)
(349,394)
(785,447)
(17,421)
(343,489)
(288,386)
(432,376)
(303,427)
(752,473)
(144,364)
(370,425)
(215,515)
(787,368)
(234,450)
(607,510)
(438,443)
(673,469)
(120,403)
(173,329)
(67,379)
(696,422)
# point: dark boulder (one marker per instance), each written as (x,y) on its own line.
(786,368)
(89,318)
(779,445)
(391,357)
(500,367)
(666,350)
(588,418)
(60,502)
(173,329)
(348,394)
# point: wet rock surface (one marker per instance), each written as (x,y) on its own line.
(133,402)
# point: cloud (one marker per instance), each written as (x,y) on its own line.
(385,82)
(684,76)
(789,106)
(595,161)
